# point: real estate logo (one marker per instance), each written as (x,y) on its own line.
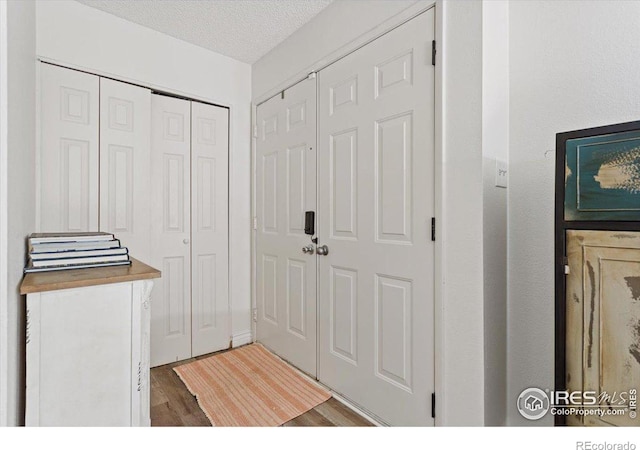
(533,403)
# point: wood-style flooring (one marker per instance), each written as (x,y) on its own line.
(173,405)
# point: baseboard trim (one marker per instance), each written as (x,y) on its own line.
(357,410)
(246,337)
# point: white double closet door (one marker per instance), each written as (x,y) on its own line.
(357,313)
(94,157)
(189,229)
(153,170)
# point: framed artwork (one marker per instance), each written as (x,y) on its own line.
(602,177)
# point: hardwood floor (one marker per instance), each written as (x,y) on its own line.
(173,405)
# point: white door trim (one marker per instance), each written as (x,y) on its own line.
(438,314)
(388,25)
(3,215)
(141,83)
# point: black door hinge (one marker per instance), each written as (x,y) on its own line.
(433,228)
(433,405)
(433,53)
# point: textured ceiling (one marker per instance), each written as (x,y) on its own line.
(242,29)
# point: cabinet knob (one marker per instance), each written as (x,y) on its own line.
(185,241)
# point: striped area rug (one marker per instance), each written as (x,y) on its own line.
(249,386)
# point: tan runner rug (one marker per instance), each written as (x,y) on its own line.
(249,386)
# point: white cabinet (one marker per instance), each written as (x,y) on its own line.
(87,358)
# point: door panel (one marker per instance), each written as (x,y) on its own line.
(603,317)
(209,228)
(170,229)
(375,203)
(286,188)
(125,129)
(68,196)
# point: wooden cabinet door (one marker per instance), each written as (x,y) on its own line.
(603,318)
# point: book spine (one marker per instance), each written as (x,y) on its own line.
(69,247)
(80,261)
(82,266)
(71,238)
(54,256)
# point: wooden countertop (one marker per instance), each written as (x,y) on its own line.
(74,278)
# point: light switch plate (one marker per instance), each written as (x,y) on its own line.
(502,173)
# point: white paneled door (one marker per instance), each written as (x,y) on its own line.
(372,267)
(69,117)
(209,228)
(170,229)
(189,229)
(153,170)
(125,129)
(375,203)
(285,190)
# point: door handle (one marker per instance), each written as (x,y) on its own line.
(322,250)
(308,249)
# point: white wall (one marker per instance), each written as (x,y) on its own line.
(462,349)
(17,193)
(573,65)
(77,35)
(495,147)
(346,24)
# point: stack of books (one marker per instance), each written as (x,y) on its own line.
(61,251)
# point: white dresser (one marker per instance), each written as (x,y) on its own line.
(87,361)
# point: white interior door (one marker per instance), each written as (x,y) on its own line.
(125,129)
(170,229)
(209,228)
(286,188)
(68,194)
(376,200)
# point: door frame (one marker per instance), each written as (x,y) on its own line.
(394,22)
(231,203)
(4,206)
